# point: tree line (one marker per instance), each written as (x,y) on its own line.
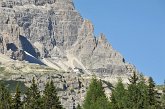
(32,98)
(138,94)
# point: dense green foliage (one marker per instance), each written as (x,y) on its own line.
(51,100)
(32,98)
(140,93)
(136,95)
(118,100)
(152,94)
(11,85)
(16,101)
(95,97)
(5,97)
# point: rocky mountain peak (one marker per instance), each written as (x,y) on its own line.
(52,33)
(12,3)
(53,29)
(86,29)
(103,40)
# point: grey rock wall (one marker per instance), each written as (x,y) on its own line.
(54,27)
(51,22)
(54,30)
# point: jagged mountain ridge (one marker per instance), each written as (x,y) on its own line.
(58,36)
(53,34)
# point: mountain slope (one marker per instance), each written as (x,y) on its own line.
(48,39)
(53,30)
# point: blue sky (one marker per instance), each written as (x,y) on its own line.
(136,28)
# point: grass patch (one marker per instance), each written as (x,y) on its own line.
(11,85)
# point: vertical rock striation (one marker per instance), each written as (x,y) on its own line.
(50,23)
(54,30)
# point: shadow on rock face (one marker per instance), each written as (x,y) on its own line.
(30,53)
(27,46)
(11,46)
(32,59)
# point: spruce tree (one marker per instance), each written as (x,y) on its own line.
(152,94)
(32,97)
(137,92)
(95,97)
(16,101)
(133,92)
(143,98)
(119,96)
(5,97)
(101,103)
(50,98)
(151,91)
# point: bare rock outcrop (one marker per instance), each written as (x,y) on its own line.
(52,22)
(52,31)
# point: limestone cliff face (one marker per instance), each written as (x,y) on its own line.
(50,23)
(98,56)
(54,31)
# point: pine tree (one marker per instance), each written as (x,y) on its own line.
(101,103)
(119,96)
(143,98)
(50,98)
(151,91)
(153,102)
(133,92)
(32,97)
(5,97)
(137,93)
(16,101)
(95,97)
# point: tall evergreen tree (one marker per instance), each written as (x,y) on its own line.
(50,98)
(5,97)
(16,101)
(133,92)
(137,92)
(151,91)
(95,97)
(152,94)
(32,97)
(143,98)
(119,96)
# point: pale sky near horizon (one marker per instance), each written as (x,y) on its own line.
(135,28)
